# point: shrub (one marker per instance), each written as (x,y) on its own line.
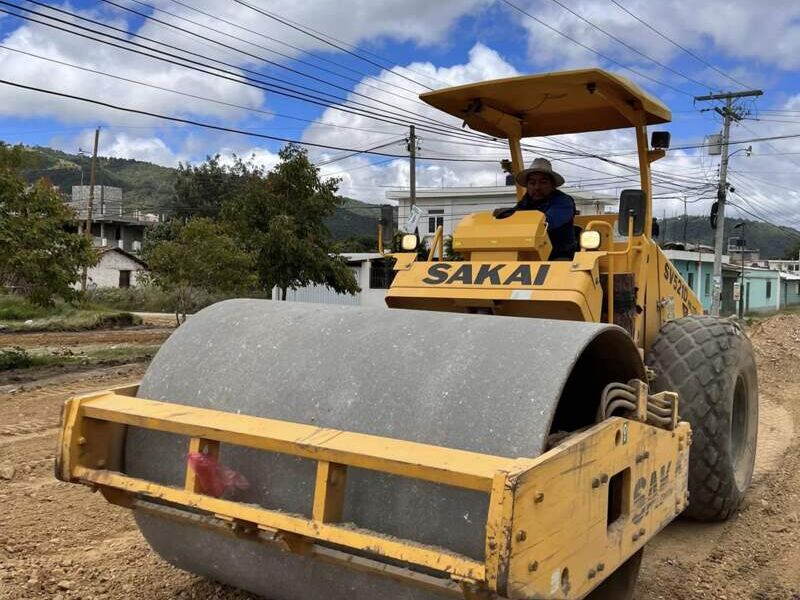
(15,308)
(14,358)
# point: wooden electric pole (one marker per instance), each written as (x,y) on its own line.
(412,151)
(87,229)
(729,113)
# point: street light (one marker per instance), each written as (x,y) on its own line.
(741,259)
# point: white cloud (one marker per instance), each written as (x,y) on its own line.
(739,30)
(259,157)
(58,45)
(150,149)
(369,183)
(348,21)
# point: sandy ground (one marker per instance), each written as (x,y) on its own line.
(61,542)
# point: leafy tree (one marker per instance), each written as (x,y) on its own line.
(39,256)
(163,231)
(200,256)
(279,218)
(792,252)
(200,191)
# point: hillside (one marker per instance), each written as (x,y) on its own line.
(149,187)
(144,185)
(772,241)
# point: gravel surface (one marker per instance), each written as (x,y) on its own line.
(61,542)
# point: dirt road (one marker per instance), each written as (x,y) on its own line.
(60,542)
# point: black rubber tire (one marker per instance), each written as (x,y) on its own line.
(709,362)
(621,584)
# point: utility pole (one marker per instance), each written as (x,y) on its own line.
(743,246)
(685,220)
(729,113)
(87,230)
(412,150)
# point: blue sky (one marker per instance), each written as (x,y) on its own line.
(713,46)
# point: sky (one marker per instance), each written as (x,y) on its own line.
(346,74)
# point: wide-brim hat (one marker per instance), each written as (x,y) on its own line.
(539,165)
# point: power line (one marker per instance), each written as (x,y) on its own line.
(356,152)
(446,129)
(783,229)
(245,53)
(274,87)
(677,45)
(629,47)
(590,49)
(321,39)
(275,40)
(215,127)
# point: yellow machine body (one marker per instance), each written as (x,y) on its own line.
(559,523)
(505,270)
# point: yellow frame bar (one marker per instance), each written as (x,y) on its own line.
(525,495)
(459,468)
(433,558)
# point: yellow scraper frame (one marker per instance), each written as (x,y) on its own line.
(557,524)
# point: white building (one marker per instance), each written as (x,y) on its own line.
(447,206)
(373,275)
(116,268)
(786,266)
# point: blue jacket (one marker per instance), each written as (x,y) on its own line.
(559,211)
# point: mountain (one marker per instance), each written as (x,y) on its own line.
(771,241)
(149,187)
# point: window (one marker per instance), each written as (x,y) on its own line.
(690,280)
(381,275)
(798,288)
(769,290)
(434,222)
(124,279)
(707,285)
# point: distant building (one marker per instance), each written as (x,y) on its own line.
(373,275)
(739,252)
(116,268)
(447,206)
(765,289)
(111,226)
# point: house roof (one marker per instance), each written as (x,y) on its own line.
(133,257)
(353,257)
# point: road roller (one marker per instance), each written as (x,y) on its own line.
(514,427)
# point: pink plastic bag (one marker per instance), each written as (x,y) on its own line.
(213,477)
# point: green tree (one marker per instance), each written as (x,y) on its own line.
(200,256)
(39,257)
(200,191)
(279,218)
(792,252)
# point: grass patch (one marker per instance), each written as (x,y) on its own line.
(19,315)
(147,298)
(19,360)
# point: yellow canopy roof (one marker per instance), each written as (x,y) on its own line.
(551,103)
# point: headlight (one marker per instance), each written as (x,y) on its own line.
(409,242)
(590,240)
